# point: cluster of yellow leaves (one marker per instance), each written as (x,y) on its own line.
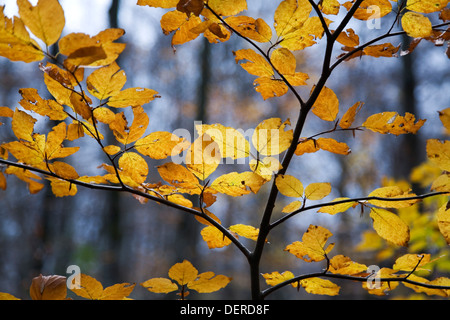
(414,22)
(187,276)
(314,248)
(55,288)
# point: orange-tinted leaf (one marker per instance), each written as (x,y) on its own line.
(257,65)
(160,145)
(132,97)
(158,3)
(329,6)
(344,265)
(214,238)
(45,20)
(106,82)
(92,289)
(245,231)
(177,175)
(255,29)
(393,123)
(48,288)
(23,125)
(348,38)
(274,278)
(134,166)
(175,21)
(62,188)
(27,176)
(350,114)
(381,50)
(326,106)
(313,245)
(370,9)
(50,108)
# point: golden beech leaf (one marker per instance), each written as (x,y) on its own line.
(428,291)
(33,102)
(337,208)
(381,50)
(107,81)
(62,188)
(64,170)
(231,142)
(313,245)
(160,145)
(443,221)
(92,289)
(203,157)
(393,123)
(392,192)
(237,184)
(320,286)
(331,145)
(15,41)
(214,238)
(389,226)
(266,167)
(426,6)
(349,116)
(80,105)
(208,282)
(274,278)
(99,50)
(229,7)
(416,25)
(177,175)
(285,63)
(318,190)
(254,29)
(23,125)
(293,206)
(348,38)
(159,285)
(289,186)
(209,214)
(438,153)
(370,9)
(410,262)
(271,138)
(134,166)
(441,183)
(48,288)
(175,21)
(245,231)
(344,265)
(326,106)
(183,272)
(132,97)
(270,88)
(3,183)
(166,4)
(329,6)
(290,15)
(257,65)
(45,20)
(26,176)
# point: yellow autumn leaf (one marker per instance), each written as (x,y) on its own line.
(441,183)
(63,170)
(160,145)
(370,9)
(107,81)
(392,192)
(443,221)
(444,116)
(313,245)
(348,38)
(28,177)
(15,41)
(426,6)
(341,264)
(45,20)
(231,142)
(274,278)
(214,238)
(326,106)
(416,25)
(320,286)
(331,145)
(349,116)
(289,186)
(229,7)
(208,282)
(270,88)
(330,7)
(7,296)
(291,207)
(159,285)
(22,125)
(256,64)
(389,226)
(381,50)
(265,167)
(33,102)
(317,190)
(133,166)
(132,97)
(428,291)
(238,184)
(285,63)
(176,22)
(438,152)
(393,123)
(254,29)
(409,262)
(183,272)
(92,289)
(62,188)
(245,231)
(290,15)
(271,138)
(111,149)
(99,50)
(337,208)
(166,4)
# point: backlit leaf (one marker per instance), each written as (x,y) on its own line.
(320,286)
(23,125)
(329,6)
(337,208)
(177,22)
(208,282)
(348,38)
(177,175)
(317,190)
(416,25)
(443,220)
(134,166)
(389,226)
(393,123)
(370,9)
(203,157)
(326,106)
(274,278)
(438,152)
(255,29)
(266,167)
(349,117)
(45,20)
(341,264)
(426,6)
(214,238)
(410,262)
(158,3)
(50,108)
(313,245)
(160,145)
(107,81)
(392,192)
(62,188)
(293,206)
(245,231)
(132,97)
(271,138)
(257,65)
(229,7)
(159,285)
(28,177)
(183,272)
(289,186)
(290,15)
(92,289)
(238,184)
(381,50)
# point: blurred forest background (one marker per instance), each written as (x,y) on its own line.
(115,239)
